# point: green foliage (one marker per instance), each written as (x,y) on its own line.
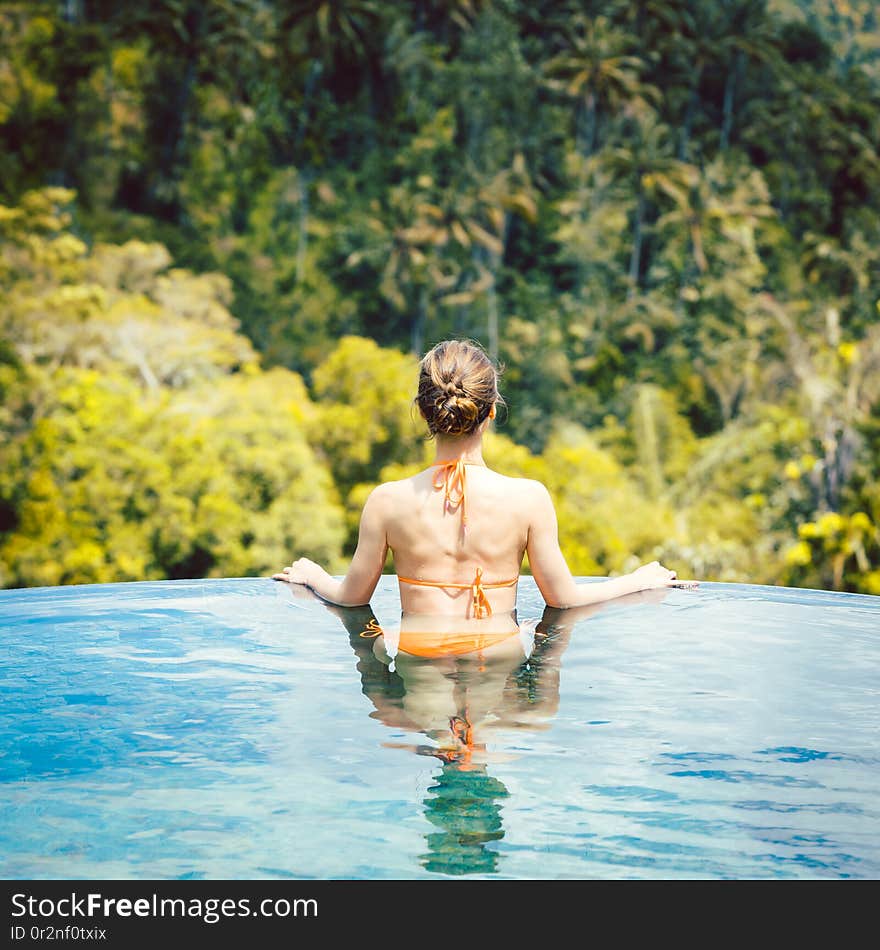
(108,307)
(365,418)
(112,483)
(837,552)
(607,524)
(140,437)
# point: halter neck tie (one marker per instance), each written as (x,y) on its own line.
(452,479)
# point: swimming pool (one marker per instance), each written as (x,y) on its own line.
(227,729)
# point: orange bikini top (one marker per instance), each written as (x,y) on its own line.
(480,603)
(451,478)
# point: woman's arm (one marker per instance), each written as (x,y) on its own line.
(552,574)
(356,588)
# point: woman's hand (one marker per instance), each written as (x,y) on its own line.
(654,575)
(302,571)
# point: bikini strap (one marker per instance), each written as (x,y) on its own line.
(480,603)
(451,477)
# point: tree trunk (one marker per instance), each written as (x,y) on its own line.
(492,322)
(417,336)
(494,262)
(693,101)
(586,126)
(729,96)
(303,237)
(635,260)
(175,117)
(647,440)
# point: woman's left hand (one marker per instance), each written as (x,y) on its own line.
(300,572)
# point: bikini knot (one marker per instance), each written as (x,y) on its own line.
(372,629)
(481,606)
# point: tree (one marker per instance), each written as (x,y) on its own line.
(140,438)
(596,70)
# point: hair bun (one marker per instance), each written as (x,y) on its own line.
(458,386)
(455,414)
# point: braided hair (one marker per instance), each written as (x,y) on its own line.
(458,386)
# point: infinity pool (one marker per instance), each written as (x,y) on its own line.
(228,729)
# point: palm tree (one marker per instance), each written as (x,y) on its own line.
(477,220)
(678,35)
(750,38)
(336,32)
(647,161)
(598,73)
(442,17)
(320,41)
(709,241)
(407,242)
(720,206)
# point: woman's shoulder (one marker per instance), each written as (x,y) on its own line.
(529,486)
(394,488)
(523,493)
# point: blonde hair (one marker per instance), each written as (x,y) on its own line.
(458,386)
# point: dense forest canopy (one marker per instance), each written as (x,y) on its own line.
(228,229)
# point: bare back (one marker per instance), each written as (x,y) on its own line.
(428,543)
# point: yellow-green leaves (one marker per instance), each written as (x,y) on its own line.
(836,551)
(140,439)
(366,417)
(116,483)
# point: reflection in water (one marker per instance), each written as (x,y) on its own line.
(455,683)
(465,806)
(457,686)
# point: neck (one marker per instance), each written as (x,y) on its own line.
(468,448)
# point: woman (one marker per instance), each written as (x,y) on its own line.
(458,530)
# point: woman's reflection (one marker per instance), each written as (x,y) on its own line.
(457,686)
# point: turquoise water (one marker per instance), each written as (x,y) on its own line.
(227,729)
